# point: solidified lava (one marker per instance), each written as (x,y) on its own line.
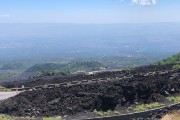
(104,96)
(79,77)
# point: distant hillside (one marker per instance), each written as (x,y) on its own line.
(46,66)
(175,59)
(74,66)
(85,65)
(50,69)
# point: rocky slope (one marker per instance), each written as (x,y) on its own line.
(146,85)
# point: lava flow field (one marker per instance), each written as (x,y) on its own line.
(144,85)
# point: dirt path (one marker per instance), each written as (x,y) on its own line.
(6,95)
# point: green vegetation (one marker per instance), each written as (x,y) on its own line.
(52,118)
(130,108)
(51,73)
(176,67)
(175,59)
(144,107)
(4,89)
(46,66)
(6,117)
(74,66)
(107,113)
(51,69)
(6,75)
(174,99)
(85,65)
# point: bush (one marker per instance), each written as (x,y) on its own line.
(176,67)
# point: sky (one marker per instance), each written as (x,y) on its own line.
(89,11)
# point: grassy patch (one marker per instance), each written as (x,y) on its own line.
(173,99)
(107,113)
(144,107)
(130,108)
(5,89)
(52,118)
(6,117)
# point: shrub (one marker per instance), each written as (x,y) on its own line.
(176,67)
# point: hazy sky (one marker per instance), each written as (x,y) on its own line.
(89,11)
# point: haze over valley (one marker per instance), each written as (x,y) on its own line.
(50,42)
